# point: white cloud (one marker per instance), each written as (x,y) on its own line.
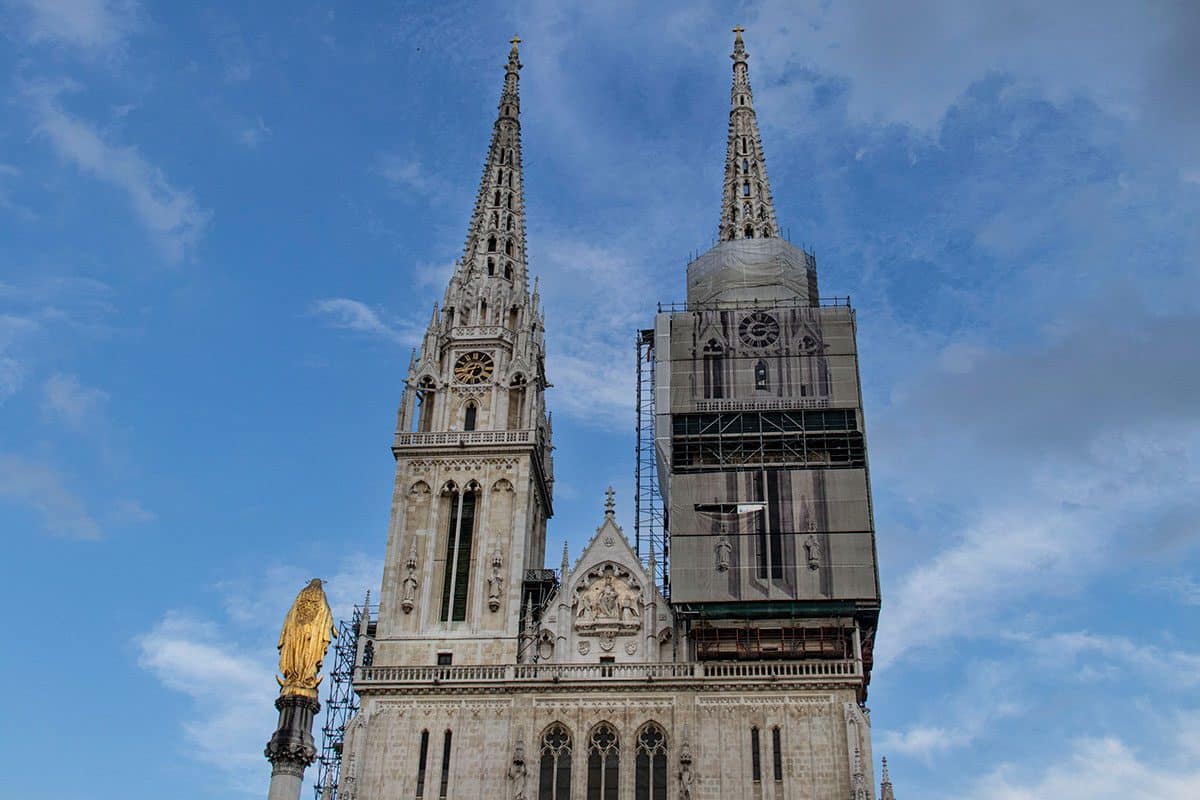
(91,25)
(909,63)
(353,315)
(1185,589)
(228,668)
(171,216)
(41,488)
(65,398)
(1098,769)
(233,693)
(409,175)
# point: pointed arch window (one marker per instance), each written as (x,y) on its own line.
(469,415)
(422,763)
(777,754)
(745,165)
(508,223)
(508,248)
(443,790)
(508,274)
(510,202)
(650,764)
(714,357)
(491,244)
(733,212)
(749,232)
(516,401)
(457,576)
(603,767)
(483,317)
(426,392)
(496,199)
(755,756)
(554,770)
(745,188)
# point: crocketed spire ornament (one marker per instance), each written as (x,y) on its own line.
(747,211)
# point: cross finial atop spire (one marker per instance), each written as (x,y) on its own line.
(514,41)
(610,503)
(739,30)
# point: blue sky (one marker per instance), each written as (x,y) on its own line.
(223,227)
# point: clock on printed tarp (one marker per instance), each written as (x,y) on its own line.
(473,368)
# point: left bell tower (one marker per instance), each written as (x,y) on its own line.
(474,474)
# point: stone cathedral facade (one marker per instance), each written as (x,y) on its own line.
(744,675)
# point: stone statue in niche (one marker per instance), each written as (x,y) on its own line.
(812,551)
(722,549)
(518,773)
(686,778)
(408,594)
(495,581)
(628,607)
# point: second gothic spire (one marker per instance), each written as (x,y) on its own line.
(747,211)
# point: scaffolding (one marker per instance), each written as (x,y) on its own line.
(341,702)
(649,521)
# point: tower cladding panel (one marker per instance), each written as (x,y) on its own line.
(761,442)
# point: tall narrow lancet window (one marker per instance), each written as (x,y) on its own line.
(469,417)
(755,756)
(496,201)
(745,188)
(650,768)
(516,401)
(422,762)
(554,769)
(491,244)
(426,392)
(714,358)
(460,533)
(443,790)
(777,754)
(508,271)
(603,767)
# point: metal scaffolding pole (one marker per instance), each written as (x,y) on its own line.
(649,530)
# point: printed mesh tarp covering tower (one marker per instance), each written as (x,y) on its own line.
(760,437)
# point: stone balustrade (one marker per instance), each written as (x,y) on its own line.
(693,672)
(444,438)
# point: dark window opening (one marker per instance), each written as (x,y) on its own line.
(445,659)
(458,557)
(554,772)
(491,244)
(442,792)
(603,763)
(469,417)
(777,753)
(749,232)
(755,756)
(422,760)
(650,764)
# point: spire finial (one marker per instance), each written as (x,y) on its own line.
(610,503)
(514,41)
(747,210)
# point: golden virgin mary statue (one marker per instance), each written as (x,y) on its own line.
(307,630)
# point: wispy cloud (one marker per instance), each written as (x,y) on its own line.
(254,134)
(411,176)
(64,398)
(41,488)
(170,215)
(90,25)
(353,315)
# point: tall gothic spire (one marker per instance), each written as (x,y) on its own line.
(496,237)
(886,792)
(746,208)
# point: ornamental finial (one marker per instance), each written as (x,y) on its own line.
(610,503)
(514,41)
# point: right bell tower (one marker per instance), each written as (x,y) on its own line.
(760,439)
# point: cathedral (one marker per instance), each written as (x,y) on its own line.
(732,664)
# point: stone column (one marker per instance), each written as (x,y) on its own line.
(291,749)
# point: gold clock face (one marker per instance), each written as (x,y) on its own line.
(474,367)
